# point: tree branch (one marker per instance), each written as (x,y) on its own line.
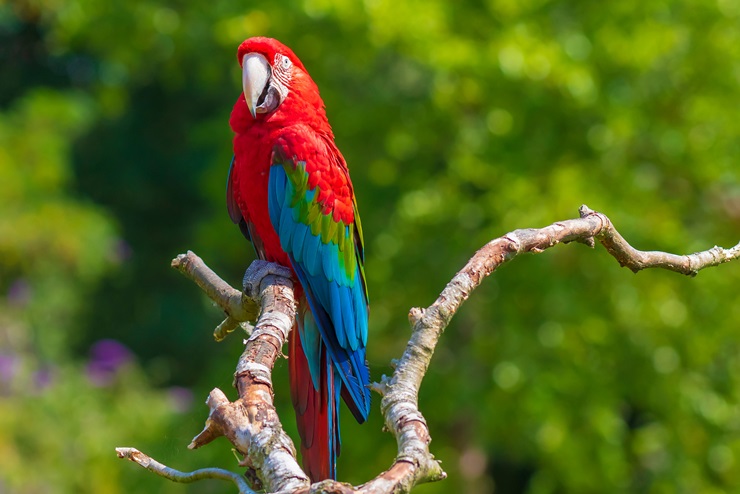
(154,466)
(238,307)
(637,260)
(252,424)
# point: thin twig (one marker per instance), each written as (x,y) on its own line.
(154,466)
(232,301)
(637,260)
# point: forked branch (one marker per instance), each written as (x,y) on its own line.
(251,423)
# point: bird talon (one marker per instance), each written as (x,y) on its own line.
(258,271)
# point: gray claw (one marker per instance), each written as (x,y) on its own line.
(257,271)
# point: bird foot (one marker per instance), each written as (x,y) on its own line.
(257,271)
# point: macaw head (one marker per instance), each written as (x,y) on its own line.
(271,74)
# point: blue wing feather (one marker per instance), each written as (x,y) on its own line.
(337,302)
(299,237)
(285,231)
(276,186)
(335,306)
(351,365)
(360,305)
(348,316)
(327,260)
(311,343)
(311,246)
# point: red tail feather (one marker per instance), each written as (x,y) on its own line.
(313,411)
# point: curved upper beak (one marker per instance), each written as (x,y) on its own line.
(255,77)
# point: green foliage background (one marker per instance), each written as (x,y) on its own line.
(460,121)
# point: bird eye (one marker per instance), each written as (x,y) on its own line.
(285,62)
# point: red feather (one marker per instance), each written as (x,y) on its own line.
(312,412)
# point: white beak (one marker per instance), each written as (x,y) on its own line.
(255,77)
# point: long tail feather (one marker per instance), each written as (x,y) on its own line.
(316,406)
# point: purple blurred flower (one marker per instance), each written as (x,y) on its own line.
(106,359)
(8,366)
(43,377)
(19,293)
(181,399)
